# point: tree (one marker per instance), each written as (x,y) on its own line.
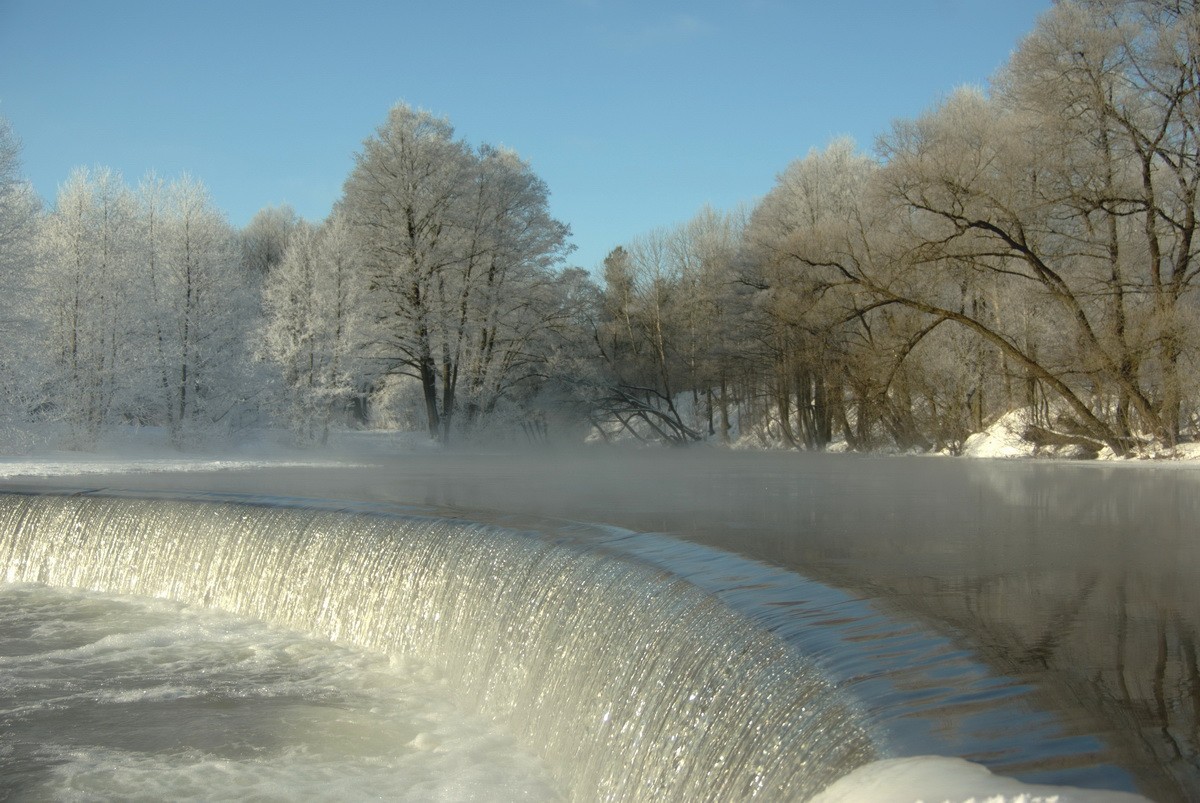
(508,295)
(1112,87)
(669,326)
(18,208)
(451,241)
(83,281)
(402,200)
(19,214)
(265,239)
(314,325)
(818,338)
(200,313)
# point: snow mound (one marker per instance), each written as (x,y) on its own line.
(1022,433)
(939,779)
(1004,438)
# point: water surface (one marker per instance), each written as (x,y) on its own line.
(1058,601)
(125,698)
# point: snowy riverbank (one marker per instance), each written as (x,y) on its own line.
(146,451)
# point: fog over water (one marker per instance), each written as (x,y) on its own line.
(1039,618)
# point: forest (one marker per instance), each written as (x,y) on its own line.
(1028,245)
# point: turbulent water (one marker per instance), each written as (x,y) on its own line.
(630,682)
(123,698)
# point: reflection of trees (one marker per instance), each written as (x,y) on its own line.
(1062,623)
(1085,584)
(1083,581)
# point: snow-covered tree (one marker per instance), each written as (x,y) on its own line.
(453,242)
(265,239)
(314,326)
(19,211)
(201,311)
(83,281)
(507,290)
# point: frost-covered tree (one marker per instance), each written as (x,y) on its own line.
(668,330)
(508,290)
(19,210)
(403,200)
(265,239)
(454,243)
(201,313)
(84,278)
(1102,96)
(314,326)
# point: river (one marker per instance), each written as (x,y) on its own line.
(1039,618)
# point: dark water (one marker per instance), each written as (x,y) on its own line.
(1039,618)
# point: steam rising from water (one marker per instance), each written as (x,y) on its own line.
(629,682)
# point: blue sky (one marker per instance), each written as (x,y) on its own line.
(635,112)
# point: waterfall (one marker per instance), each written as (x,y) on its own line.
(630,682)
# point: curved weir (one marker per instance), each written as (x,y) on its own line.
(628,681)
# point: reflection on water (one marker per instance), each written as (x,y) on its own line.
(1079,584)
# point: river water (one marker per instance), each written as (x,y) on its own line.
(124,698)
(1038,618)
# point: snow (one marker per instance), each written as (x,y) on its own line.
(1004,438)
(144,451)
(938,779)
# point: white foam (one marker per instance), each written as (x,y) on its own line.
(208,706)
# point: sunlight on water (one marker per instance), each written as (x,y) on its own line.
(627,681)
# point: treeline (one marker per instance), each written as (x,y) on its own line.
(1032,246)
(122,306)
(433,296)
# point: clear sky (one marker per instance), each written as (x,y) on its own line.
(635,112)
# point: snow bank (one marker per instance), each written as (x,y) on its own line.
(1004,438)
(938,779)
(1019,434)
(43,466)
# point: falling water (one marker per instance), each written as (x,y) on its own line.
(629,682)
